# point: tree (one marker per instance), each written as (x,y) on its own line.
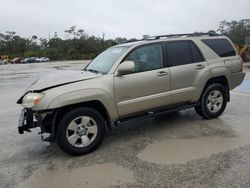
(9,35)
(73,54)
(54,54)
(236,31)
(55,35)
(145,36)
(43,43)
(81,34)
(71,31)
(78,45)
(222,26)
(34,37)
(120,40)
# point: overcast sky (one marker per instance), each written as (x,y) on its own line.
(126,18)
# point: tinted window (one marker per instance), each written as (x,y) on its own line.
(147,58)
(178,53)
(221,47)
(196,54)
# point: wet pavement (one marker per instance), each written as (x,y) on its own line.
(244,87)
(174,150)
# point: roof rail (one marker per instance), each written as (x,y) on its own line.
(210,33)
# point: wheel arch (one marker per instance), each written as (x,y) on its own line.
(94,104)
(218,79)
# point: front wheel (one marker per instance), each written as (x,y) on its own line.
(80,131)
(213,101)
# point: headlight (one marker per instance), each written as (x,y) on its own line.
(32,99)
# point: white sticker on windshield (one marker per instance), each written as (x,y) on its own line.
(116,50)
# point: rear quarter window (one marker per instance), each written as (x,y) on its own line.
(222,47)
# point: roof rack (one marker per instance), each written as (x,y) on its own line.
(210,33)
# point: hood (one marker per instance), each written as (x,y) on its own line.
(59,78)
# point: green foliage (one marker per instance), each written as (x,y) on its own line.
(79,45)
(33,53)
(73,54)
(89,56)
(236,31)
(54,54)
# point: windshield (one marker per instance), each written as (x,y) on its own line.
(104,61)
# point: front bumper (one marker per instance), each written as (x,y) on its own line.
(26,121)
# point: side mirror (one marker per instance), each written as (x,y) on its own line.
(126,67)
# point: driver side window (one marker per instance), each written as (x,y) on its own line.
(147,58)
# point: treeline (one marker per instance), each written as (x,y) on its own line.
(79,45)
(236,31)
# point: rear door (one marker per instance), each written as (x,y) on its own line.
(187,66)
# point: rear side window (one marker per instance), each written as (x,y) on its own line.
(178,53)
(182,52)
(221,47)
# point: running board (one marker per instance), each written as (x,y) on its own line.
(153,113)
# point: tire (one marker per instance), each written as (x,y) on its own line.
(213,101)
(198,110)
(80,131)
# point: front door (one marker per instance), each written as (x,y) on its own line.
(148,87)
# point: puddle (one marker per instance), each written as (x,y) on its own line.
(103,175)
(172,151)
(244,87)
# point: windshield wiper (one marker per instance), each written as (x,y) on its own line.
(92,70)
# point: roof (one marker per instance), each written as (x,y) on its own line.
(160,38)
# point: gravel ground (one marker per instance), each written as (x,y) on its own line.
(174,150)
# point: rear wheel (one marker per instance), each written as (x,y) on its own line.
(213,101)
(80,131)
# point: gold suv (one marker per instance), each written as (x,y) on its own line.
(129,82)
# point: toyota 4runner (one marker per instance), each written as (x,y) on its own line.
(132,81)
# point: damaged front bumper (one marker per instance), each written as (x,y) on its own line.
(26,121)
(30,119)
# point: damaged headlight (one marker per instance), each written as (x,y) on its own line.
(32,99)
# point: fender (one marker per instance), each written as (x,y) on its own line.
(86,95)
(212,73)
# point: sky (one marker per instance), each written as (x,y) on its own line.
(116,18)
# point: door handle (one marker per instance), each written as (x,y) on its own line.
(162,73)
(200,66)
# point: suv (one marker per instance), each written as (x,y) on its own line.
(129,82)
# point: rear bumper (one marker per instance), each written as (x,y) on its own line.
(236,79)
